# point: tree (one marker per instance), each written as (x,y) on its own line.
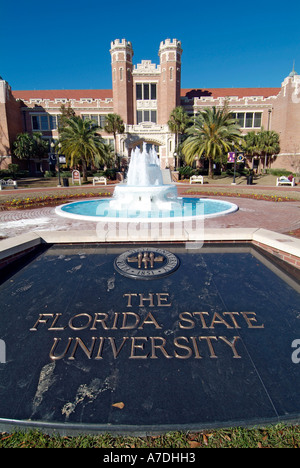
(251,143)
(115,125)
(39,147)
(268,144)
(23,146)
(81,144)
(178,124)
(28,146)
(66,114)
(213,134)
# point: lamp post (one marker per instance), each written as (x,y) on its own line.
(57,160)
(234,167)
(234,170)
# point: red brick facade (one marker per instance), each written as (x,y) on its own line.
(144,95)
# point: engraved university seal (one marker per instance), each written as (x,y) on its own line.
(146,263)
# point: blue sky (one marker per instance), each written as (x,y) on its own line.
(65,44)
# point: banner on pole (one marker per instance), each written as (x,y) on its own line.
(230,157)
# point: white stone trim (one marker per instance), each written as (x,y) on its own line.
(282,242)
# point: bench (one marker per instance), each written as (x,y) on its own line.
(99,180)
(196,179)
(8,183)
(285,181)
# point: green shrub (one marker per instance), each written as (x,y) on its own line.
(66,174)
(110,174)
(186,172)
(278,172)
(48,174)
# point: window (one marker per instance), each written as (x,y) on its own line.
(109,141)
(139,116)
(139,92)
(44,122)
(240,118)
(102,120)
(35,122)
(257,120)
(146,116)
(153,116)
(248,119)
(99,119)
(146,91)
(52,122)
(153,91)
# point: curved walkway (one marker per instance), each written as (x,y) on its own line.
(281,217)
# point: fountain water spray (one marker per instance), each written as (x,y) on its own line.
(144,189)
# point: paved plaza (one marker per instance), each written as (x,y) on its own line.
(281,217)
(103,333)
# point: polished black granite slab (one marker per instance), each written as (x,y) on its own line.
(207,345)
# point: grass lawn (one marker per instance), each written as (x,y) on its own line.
(277,436)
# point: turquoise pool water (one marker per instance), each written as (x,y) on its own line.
(190,208)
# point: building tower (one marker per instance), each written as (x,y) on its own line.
(170,78)
(121,63)
(286,121)
(10,123)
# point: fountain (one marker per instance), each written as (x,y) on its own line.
(144,196)
(145,190)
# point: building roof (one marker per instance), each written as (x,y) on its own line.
(78,94)
(229,92)
(63,94)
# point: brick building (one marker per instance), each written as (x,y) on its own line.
(144,95)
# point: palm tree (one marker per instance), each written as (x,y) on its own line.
(23,146)
(114,124)
(214,134)
(251,144)
(268,144)
(40,148)
(81,143)
(178,123)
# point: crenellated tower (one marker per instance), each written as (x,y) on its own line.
(121,63)
(170,52)
(10,123)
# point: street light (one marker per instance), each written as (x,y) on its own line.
(234,170)
(57,159)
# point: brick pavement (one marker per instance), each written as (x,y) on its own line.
(282,217)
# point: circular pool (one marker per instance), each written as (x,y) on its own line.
(187,209)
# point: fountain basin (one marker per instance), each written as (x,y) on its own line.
(144,197)
(183,209)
